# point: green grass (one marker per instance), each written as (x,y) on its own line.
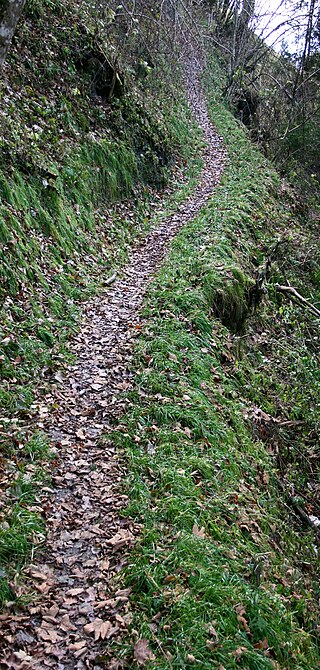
(22,528)
(223,576)
(57,261)
(80,182)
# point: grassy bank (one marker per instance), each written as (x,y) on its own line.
(81,179)
(224,575)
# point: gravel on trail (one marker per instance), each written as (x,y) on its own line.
(75,608)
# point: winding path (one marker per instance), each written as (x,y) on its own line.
(77,608)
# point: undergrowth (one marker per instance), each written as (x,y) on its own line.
(22,528)
(224,575)
(81,179)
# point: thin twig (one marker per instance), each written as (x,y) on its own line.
(293,294)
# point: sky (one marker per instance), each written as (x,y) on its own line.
(272,15)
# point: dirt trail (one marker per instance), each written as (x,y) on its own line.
(87,539)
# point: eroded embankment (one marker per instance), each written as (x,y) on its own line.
(86,537)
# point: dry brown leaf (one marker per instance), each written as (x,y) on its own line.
(239,651)
(48,635)
(100,628)
(199,532)
(66,624)
(104,565)
(263,644)
(121,538)
(75,592)
(142,652)
(211,644)
(244,622)
(78,645)
(52,612)
(38,575)
(212,631)
(44,587)
(123,593)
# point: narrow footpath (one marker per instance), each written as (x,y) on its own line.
(74,609)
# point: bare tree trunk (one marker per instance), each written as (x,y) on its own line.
(10,11)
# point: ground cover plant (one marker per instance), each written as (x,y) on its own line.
(80,181)
(220,440)
(224,575)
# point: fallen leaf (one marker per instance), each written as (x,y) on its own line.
(38,575)
(239,651)
(66,624)
(78,645)
(244,622)
(211,644)
(263,644)
(22,655)
(199,533)
(48,635)
(120,539)
(142,652)
(75,592)
(100,628)
(58,377)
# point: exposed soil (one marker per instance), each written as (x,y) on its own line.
(76,607)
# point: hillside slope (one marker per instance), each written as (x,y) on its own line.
(188,430)
(81,178)
(221,434)
(67,155)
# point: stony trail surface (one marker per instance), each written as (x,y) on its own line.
(76,607)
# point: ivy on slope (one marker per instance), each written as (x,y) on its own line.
(223,576)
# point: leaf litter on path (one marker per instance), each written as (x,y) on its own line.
(74,608)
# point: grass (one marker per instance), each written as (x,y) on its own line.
(56,263)
(224,575)
(22,527)
(80,182)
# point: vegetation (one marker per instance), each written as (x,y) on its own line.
(272,59)
(225,574)
(79,182)
(220,436)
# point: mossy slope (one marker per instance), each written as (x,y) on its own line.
(81,178)
(224,574)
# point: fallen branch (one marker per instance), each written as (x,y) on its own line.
(258,290)
(304,516)
(294,295)
(111,279)
(288,424)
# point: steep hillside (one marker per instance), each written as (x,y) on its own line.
(221,434)
(165,436)
(81,177)
(68,154)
